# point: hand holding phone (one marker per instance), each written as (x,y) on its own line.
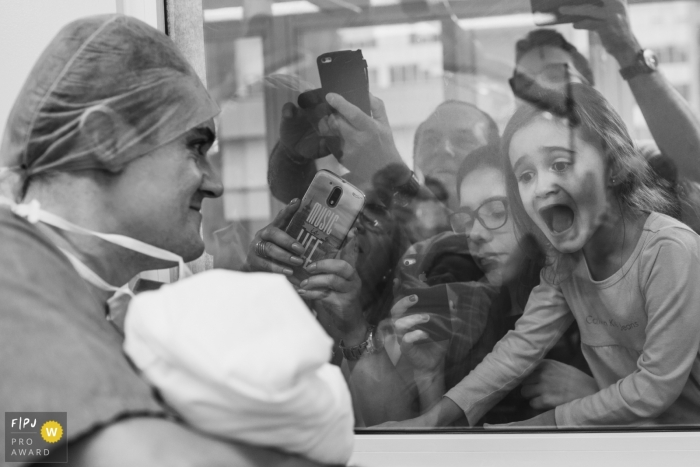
(433,302)
(326,214)
(344,72)
(424,355)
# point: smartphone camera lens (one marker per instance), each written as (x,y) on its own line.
(334,197)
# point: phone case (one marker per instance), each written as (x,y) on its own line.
(551,6)
(434,302)
(344,72)
(319,227)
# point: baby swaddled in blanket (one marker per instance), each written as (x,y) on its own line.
(240,356)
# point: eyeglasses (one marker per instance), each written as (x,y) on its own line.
(492,214)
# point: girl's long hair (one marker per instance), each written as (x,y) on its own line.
(636,187)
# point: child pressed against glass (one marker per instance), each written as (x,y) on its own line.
(628,274)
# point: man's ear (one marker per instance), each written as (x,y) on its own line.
(100,131)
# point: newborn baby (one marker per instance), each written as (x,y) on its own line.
(240,356)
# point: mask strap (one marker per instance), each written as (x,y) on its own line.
(116,307)
(92,277)
(33,213)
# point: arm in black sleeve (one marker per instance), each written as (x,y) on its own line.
(287,176)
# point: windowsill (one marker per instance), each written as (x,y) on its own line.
(522,449)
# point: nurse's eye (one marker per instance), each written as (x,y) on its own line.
(200,146)
(560,166)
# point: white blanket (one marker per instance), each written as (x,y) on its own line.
(239,355)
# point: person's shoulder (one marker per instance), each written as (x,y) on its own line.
(9,221)
(668,243)
(59,351)
(32,265)
(663,228)
(21,237)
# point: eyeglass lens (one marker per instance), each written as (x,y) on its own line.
(492,215)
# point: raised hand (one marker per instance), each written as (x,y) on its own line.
(273,250)
(424,354)
(367,142)
(334,288)
(299,127)
(611,22)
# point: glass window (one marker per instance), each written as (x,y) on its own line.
(525,248)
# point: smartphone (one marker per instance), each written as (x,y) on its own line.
(344,72)
(326,214)
(434,302)
(547,11)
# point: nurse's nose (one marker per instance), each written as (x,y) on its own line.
(211,182)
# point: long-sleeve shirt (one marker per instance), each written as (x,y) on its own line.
(640,333)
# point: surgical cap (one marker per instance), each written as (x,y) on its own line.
(107,90)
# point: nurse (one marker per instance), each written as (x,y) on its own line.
(109,135)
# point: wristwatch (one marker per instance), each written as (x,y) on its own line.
(645,62)
(355,352)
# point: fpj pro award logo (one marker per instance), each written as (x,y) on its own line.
(32,436)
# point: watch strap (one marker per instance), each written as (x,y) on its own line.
(639,67)
(355,352)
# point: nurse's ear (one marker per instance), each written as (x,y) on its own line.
(102,134)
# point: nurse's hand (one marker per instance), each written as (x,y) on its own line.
(273,250)
(554,383)
(334,290)
(424,354)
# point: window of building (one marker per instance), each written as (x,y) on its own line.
(672,54)
(407,74)
(446,74)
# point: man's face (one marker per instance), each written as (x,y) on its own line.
(445,139)
(158,197)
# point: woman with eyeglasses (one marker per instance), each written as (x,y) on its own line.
(508,262)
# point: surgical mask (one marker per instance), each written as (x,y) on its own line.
(33,213)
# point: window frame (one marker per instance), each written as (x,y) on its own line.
(677,448)
(552,448)
(152,12)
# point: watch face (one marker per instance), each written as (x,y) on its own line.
(650,59)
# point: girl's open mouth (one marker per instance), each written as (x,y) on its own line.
(558,217)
